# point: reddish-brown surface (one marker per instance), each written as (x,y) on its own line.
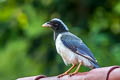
(95,74)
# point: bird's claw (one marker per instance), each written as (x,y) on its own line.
(71,74)
(61,75)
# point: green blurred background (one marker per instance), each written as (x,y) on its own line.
(27,49)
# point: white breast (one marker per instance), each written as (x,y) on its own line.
(68,56)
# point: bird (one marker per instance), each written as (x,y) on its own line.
(70,47)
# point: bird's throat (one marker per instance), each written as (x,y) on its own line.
(55,35)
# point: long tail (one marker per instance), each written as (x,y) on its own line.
(95,65)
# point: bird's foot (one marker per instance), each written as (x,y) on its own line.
(61,75)
(71,74)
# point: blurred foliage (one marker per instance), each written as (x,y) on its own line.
(27,49)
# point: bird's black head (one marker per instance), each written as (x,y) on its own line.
(57,25)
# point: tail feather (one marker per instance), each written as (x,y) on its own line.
(95,65)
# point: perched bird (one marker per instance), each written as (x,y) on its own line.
(70,47)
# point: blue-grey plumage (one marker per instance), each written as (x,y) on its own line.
(70,47)
(67,45)
(76,45)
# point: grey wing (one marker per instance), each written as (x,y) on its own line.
(77,46)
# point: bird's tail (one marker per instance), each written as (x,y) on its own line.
(95,65)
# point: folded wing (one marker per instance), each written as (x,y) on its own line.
(76,45)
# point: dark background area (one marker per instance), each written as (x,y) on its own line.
(27,49)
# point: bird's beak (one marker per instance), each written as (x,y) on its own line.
(46,24)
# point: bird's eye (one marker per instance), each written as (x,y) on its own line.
(56,24)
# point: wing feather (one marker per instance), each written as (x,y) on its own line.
(76,45)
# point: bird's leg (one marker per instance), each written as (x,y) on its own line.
(65,73)
(76,71)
